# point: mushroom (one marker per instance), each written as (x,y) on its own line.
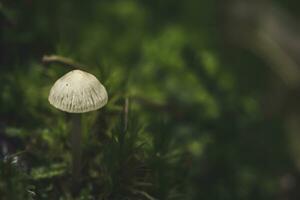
(77,92)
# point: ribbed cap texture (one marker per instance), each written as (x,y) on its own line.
(78,92)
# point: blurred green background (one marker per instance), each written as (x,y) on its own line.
(212,90)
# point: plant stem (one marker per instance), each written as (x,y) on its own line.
(125,123)
(76,151)
(62,60)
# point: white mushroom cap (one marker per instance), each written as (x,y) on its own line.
(78,92)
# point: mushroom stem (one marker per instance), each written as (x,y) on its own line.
(76,150)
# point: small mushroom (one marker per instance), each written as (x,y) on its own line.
(77,92)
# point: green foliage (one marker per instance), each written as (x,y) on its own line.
(195,128)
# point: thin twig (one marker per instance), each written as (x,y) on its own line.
(143,193)
(62,60)
(126,104)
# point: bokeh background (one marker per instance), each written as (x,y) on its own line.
(211,88)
